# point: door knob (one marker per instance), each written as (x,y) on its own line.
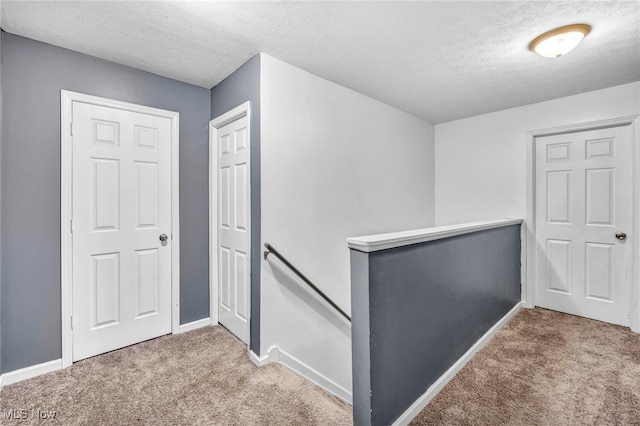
(621,236)
(163,237)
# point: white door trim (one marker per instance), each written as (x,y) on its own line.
(218,122)
(66,103)
(528,282)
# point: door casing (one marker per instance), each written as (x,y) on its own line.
(529,234)
(218,122)
(66,104)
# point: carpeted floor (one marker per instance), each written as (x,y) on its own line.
(542,368)
(546,368)
(202,377)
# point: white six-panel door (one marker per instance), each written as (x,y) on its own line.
(233,227)
(121,191)
(583,199)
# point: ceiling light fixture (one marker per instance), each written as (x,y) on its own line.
(560,41)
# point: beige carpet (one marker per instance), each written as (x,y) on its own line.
(542,368)
(546,368)
(203,377)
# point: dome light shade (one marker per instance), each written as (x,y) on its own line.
(560,41)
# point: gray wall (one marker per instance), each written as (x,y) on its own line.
(424,306)
(242,86)
(33,74)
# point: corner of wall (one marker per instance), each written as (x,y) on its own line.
(431,186)
(481,160)
(241,86)
(33,73)
(308,212)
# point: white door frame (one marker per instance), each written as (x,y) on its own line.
(218,122)
(66,108)
(529,240)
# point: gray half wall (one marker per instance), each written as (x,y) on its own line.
(33,74)
(242,86)
(417,309)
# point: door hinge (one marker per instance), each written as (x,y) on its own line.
(71,225)
(72,322)
(71,128)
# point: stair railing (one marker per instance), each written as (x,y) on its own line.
(276,253)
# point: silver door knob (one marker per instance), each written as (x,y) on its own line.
(621,236)
(163,237)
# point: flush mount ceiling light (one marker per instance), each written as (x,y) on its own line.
(559,42)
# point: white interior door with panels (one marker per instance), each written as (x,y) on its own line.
(121,226)
(232,235)
(583,222)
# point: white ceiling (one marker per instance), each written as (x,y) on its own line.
(438,60)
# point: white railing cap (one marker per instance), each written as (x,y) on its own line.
(369,243)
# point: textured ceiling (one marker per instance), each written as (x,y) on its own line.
(438,60)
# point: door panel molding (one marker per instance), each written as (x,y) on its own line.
(529,234)
(66,161)
(215,124)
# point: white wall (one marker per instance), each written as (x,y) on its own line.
(480,171)
(335,164)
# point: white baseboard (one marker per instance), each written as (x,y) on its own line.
(275,354)
(256,360)
(435,388)
(194,325)
(47,367)
(29,372)
(272,356)
(313,376)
